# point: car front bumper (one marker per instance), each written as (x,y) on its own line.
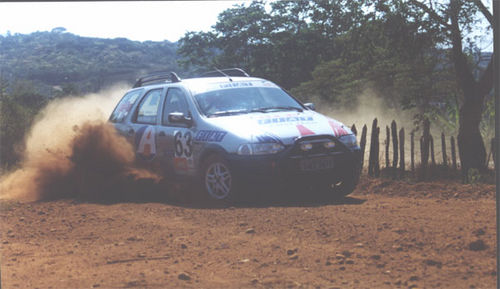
(292,168)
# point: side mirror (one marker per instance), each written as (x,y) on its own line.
(310,106)
(179,117)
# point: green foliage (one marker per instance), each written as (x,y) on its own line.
(17,111)
(283,45)
(388,54)
(59,58)
(473,176)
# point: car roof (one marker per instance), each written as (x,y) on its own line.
(192,82)
(208,80)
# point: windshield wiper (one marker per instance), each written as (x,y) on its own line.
(262,109)
(273,108)
(228,112)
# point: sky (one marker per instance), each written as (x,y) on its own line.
(135,20)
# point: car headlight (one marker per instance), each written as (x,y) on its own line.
(260,149)
(349,140)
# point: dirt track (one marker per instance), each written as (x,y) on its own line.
(386,235)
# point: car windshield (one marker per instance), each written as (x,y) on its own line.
(245,100)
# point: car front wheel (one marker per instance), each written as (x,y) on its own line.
(345,185)
(218,182)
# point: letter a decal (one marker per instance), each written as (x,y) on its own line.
(147,145)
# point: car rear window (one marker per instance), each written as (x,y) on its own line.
(125,105)
(148,108)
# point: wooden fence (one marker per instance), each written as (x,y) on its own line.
(397,167)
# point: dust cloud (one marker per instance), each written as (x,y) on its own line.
(369,106)
(72,152)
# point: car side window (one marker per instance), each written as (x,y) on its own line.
(124,106)
(176,102)
(148,108)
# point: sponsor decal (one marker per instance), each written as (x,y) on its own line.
(285,119)
(235,84)
(209,136)
(205,87)
(304,130)
(145,142)
(337,128)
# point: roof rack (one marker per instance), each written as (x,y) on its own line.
(226,72)
(157,77)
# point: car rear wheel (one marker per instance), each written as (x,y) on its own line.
(217,179)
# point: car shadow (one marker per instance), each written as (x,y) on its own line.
(181,194)
(272,202)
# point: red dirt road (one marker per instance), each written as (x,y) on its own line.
(386,235)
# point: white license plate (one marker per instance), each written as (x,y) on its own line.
(316,164)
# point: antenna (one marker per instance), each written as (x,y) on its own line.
(221,72)
(228,72)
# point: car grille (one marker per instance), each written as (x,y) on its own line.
(318,146)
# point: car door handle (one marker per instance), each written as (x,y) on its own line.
(162,133)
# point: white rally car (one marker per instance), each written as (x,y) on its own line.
(229,131)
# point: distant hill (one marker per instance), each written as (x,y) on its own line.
(57,58)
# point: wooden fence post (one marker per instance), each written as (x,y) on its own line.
(433,159)
(377,150)
(394,131)
(443,150)
(402,151)
(412,150)
(494,152)
(453,153)
(362,144)
(387,142)
(424,147)
(354,130)
(371,160)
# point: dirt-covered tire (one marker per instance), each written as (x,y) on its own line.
(344,186)
(217,180)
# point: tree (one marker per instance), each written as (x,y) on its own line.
(19,103)
(455,19)
(388,52)
(283,45)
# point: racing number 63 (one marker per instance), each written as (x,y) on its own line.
(183,144)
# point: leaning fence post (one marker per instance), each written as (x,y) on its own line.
(494,152)
(362,144)
(354,130)
(433,160)
(387,142)
(371,160)
(377,150)
(443,150)
(412,150)
(424,147)
(401,151)
(394,131)
(453,153)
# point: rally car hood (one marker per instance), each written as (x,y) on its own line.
(284,126)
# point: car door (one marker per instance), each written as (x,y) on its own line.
(174,136)
(143,126)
